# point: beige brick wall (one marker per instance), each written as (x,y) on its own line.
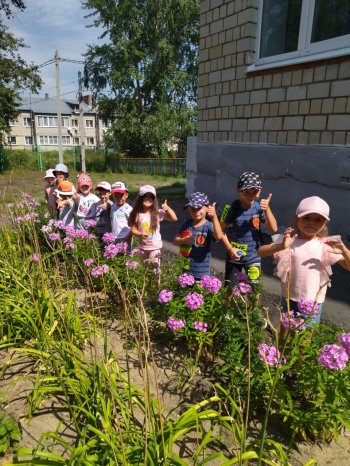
(306,104)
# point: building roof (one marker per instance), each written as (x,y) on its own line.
(49,106)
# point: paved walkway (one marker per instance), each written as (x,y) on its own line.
(336,309)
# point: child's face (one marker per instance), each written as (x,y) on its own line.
(311,225)
(60,176)
(249,196)
(198,215)
(85,189)
(120,198)
(50,180)
(103,194)
(147,200)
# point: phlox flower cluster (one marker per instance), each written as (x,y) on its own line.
(54,236)
(344,340)
(289,321)
(165,296)
(185,280)
(333,356)
(194,300)
(88,262)
(70,246)
(211,284)
(99,270)
(270,355)
(134,251)
(131,265)
(27,218)
(242,289)
(90,223)
(35,257)
(175,324)
(201,326)
(307,307)
(241,277)
(113,250)
(108,238)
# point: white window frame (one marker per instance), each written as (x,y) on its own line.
(88,122)
(28,140)
(76,141)
(27,121)
(48,140)
(75,123)
(50,121)
(11,140)
(307,51)
(90,141)
(66,140)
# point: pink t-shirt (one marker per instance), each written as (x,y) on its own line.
(306,266)
(154,239)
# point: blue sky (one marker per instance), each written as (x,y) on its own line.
(50,25)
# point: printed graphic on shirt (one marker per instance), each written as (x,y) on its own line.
(256,221)
(200,240)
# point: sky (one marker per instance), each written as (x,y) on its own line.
(50,25)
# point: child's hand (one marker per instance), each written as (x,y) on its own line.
(187,237)
(235,254)
(288,239)
(211,210)
(165,206)
(60,204)
(75,196)
(264,203)
(336,243)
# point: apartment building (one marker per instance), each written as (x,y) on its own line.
(37,125)
(274,97)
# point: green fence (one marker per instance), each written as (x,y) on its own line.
(160,167)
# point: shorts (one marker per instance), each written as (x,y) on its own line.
(253,271)
(152,258)
(310,321)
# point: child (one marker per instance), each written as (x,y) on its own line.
(144,221)
(120,213)
(303,260)
(50,187)
(84,200)
(243,220)
(101,209)
(195,235)
(65,203)
(61,173)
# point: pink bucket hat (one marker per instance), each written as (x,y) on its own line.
(84,180)
(313,205)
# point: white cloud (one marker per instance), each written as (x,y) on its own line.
(50,25)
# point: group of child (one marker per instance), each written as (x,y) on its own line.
(303,257)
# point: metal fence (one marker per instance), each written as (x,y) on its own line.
(160,167)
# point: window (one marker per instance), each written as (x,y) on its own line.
(89,123)
(76,141)
(293,31)
(27,121)
(66,140)
(90,141)
(48,140)
(11,140)
(51,121)
(28,141)
(105,125)
(75,123)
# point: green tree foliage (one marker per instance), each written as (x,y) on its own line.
(144,75)
(15,74)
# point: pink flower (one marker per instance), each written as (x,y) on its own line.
(113,249)
(35,257)
(201,326)
(241,277)
(54,236)
(211,284)
(108,238)
(88,262)
(289,321)
(186,280)
(333,357)
(70,246)
(99,270)
(194,300)
(90,223)
(344,340)
(165,296)
(241,288)
(175,324)
(134,251)
(131,265)
(270,355)
(307,306)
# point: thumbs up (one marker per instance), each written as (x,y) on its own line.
(212,210)
(264,203)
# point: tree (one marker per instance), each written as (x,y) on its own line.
(15,74)
(144,75)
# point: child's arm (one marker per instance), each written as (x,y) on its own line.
(270,249)
(271,222)
(339,247)
(169,213)
(218,234)
(136,232)
(226,242)
(179,239)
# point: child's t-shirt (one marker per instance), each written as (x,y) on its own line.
(305,267)
(102,218)
(200,254)
(154,239)
(66,214)
(243,230)
(50,197)
(85,209)
(119,220)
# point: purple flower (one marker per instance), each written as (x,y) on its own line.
(134,251)
(70,246)
(46,228)
(54,236)
(113,249)
(344,340)
(99,270)
(108,238)
(307,306)
(186,280)
(165,296)
(19,219)
(241,288)
(289,321)
(211,284)
(270,355)
(194,300)
(241,277)
(47,215)
(35,257)
(201,326)
(131,265)
(88,262)
(333,357)
(175,324)
(90,223)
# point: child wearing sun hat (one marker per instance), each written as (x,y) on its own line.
(65,203)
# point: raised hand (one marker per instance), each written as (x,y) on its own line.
(288,239)
(165,206)
(212,210)
(264,203)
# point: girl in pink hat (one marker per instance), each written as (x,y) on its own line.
(303,262)
(84,201)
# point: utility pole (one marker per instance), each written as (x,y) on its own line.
(58,107)
(81,124)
